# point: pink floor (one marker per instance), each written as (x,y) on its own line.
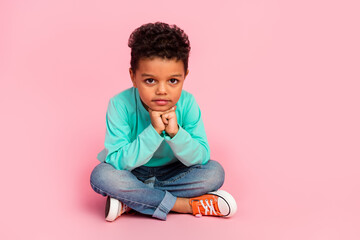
(277,83)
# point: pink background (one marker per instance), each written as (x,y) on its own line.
(278,85)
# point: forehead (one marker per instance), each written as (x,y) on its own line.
(160,66)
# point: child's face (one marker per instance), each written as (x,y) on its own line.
(159,82)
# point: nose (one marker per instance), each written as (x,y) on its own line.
(161,89)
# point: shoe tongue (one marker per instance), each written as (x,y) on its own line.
(196,207)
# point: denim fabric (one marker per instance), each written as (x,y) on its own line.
(153,190)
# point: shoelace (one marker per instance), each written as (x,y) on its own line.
(208,207)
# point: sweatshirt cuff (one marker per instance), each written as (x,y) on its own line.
(151,133)
(178,138)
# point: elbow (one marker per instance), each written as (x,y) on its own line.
(206,153)
(206,157)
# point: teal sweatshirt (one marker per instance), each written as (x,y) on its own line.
(131,140)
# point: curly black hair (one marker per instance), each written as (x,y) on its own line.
(159,40)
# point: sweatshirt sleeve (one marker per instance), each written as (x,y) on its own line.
(124,153)
(190,144)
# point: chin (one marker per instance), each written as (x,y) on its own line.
(161,108)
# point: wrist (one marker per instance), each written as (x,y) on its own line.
(157,130)
(172,134)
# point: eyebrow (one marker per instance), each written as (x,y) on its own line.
(149,75)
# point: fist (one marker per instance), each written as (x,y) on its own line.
(170,121)
(165,121)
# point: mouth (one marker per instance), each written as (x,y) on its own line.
(161,102)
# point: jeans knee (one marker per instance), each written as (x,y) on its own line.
(105,179)
(96,179)
(215,175)
(96,174)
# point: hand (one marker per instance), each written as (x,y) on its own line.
(164,121)
(170,121)
(156,120)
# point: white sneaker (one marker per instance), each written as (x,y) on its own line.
(114,208)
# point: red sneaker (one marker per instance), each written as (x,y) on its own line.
(219,203)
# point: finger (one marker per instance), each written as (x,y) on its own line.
(173,108)
(170,115)
(155,113)
(163,112)
(164,118)
(169,111)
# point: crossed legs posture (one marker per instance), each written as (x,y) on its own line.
(156,191)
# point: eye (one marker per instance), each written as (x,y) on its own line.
(149,80)
(173,81)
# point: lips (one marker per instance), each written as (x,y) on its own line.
(161,102)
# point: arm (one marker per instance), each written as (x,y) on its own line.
(190,143)
(123,153)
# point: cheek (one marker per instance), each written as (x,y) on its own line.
(146,96)
(176,96)
(178,91)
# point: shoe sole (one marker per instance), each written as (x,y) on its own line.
(229,199)
(112,209)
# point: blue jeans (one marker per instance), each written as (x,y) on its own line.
(153,190)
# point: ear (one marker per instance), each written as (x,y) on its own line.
(187,72)
(132,76)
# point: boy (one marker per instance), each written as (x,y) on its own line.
(156,157)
